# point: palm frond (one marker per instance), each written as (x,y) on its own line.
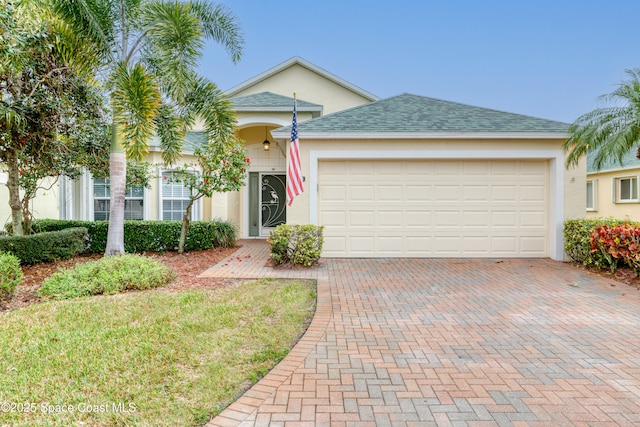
(209,103)
(608,132)
(171,132)
(136,100)
(173,43)
(220,25)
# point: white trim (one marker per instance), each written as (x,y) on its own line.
(263,120)
(594,194)
(618,193)
(421,135)
(306,64)
(556,178)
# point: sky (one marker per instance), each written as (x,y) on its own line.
(548,59)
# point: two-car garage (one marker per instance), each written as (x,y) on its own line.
(434,207)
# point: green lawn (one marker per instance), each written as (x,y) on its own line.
(168,358)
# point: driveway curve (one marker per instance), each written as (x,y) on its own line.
(435,342)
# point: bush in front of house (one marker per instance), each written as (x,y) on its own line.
(107,276)
(296,244)
(578,241)
(618,243)
(150,236)
(10,275)
(45,247)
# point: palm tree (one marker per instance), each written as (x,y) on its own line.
(152,48)
(609,132)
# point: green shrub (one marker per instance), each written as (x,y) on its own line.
(150,236)
(296,244)
(45,247)
(107,276)
(10,275)
(577,241)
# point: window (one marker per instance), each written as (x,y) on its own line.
(133,202)
(175,198)
(628,189)
(592,186)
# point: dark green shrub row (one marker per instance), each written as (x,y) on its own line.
(107,276)
(45,247)
(577,240)
(150,236)
(296,244)
(10,275)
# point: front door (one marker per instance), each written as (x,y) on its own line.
(269,209)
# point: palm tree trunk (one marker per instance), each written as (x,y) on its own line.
(117,181)
(185,227)
(13,184)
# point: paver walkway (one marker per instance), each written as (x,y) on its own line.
(419,342)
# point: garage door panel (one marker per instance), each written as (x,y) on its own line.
(361,219)
(477,193)
(444,193)
(418,219)
(334,193)
(476,219)
(501,219)
(364,193)
(391,219)
(389,193)
(419,193)
(403,208)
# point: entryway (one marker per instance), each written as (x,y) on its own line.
(267,202)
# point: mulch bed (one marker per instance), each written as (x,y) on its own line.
(187,266)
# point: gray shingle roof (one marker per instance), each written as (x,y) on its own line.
(267,101)
(192,141)
(629,160)
(413,113)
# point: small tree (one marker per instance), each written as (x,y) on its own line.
(224,169)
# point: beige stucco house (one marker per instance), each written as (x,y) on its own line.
(407,176)
(612,190)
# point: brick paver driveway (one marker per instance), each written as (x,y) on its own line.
(456,342)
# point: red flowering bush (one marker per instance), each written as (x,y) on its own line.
(618,243)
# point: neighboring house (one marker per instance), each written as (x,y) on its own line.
(407,176)
(613,191)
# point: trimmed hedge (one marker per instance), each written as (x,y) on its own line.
(10,275)
(150,236)
(296,244)
(45,247)
(577,240)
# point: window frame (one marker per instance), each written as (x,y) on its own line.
(196,210)
(127,198)
(594,195)
(634,186)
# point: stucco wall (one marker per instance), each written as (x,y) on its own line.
(45,204)
(605,206)
(308,86)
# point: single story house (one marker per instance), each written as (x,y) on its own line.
(612,191)
(406,176)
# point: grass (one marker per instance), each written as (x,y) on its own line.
(170,358)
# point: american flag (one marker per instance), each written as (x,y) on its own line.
(294,172)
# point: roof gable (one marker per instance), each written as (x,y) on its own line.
(409,113)
(296,60)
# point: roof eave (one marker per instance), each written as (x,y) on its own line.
(421,135)
(261,109)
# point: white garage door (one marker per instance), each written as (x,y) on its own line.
(434,208)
